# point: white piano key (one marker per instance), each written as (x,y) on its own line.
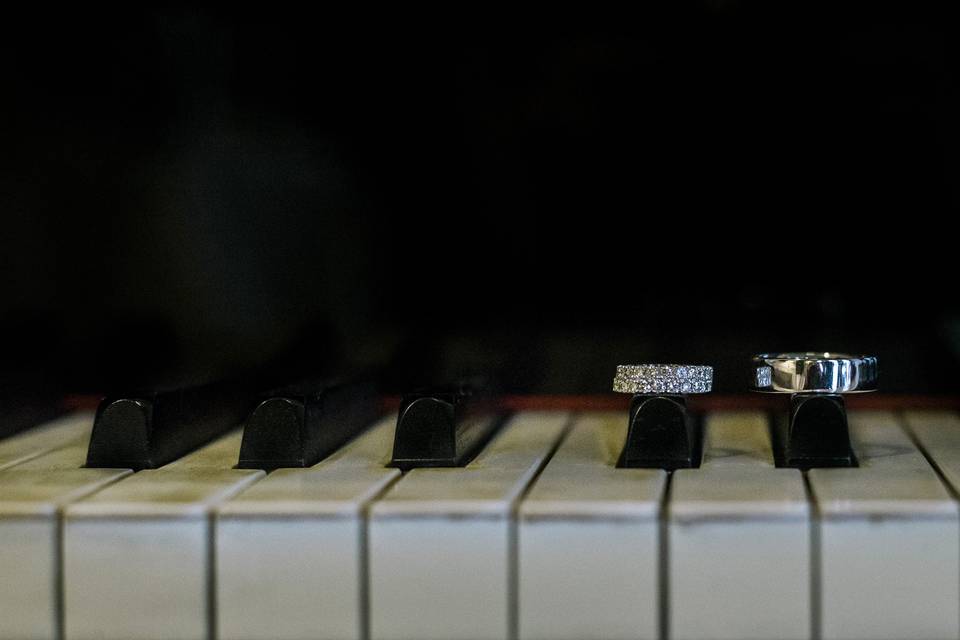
(66,430)
(30,502)
(67,457)
(137,555)
(888,538)
(222,453)
(290,548)
(739,549)
(441,540)
(588,544)
(938,433)
(32,493)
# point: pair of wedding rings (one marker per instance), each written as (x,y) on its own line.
(806,372)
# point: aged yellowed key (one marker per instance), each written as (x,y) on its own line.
(588,540)
(440,539)
(889,556)
(33,493)
(290,549)
(137,556)
(739,536)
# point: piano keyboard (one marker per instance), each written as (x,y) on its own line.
(539,536)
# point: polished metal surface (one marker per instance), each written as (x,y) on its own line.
(663,378)
(814,372)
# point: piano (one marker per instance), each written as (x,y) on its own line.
(538,535)
(203,193)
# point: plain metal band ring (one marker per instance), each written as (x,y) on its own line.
(814,372)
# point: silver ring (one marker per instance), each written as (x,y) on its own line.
(814,372)
(663,378)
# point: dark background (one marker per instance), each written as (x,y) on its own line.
(192,193)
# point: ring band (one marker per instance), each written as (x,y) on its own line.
(814,372)
(663,378)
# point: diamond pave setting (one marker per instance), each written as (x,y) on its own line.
(663,378)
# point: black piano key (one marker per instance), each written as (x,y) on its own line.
(148,430)
(444,426)
(662,434)
(298,426)
(814,434)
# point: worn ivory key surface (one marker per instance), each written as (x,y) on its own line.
(588,540)
(739,549)
(137,555)
(889,540)
(63,431)
(32,495)
(440,539)
(290,548)
(938,434)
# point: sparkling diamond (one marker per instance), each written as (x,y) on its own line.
(662,378)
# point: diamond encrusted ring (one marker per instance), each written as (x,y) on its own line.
(663,378)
